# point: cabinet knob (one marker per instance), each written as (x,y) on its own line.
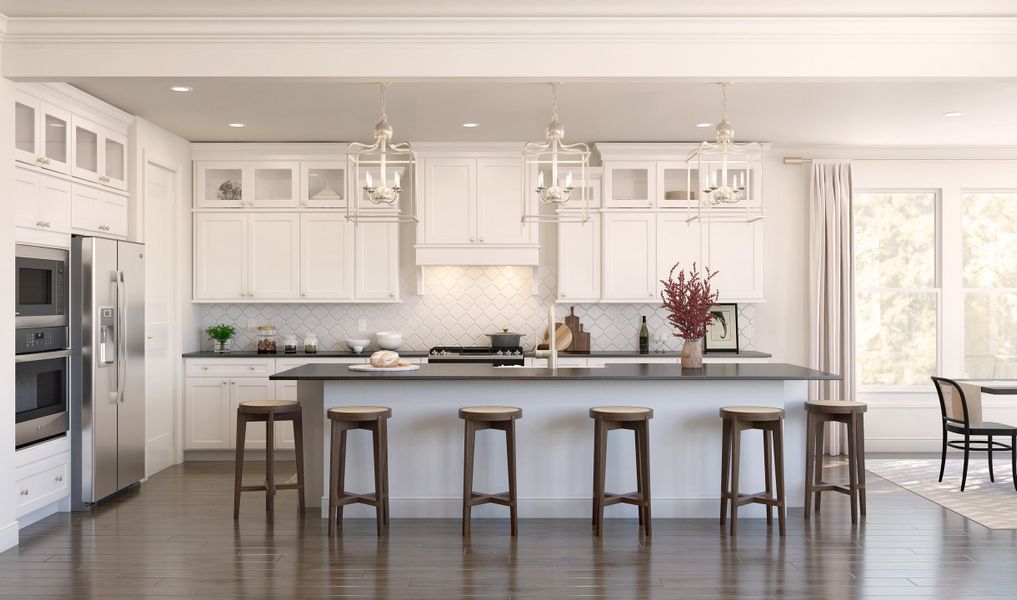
(58,478)
(250,368)
(41,224)
(24,492)
(303,295)
(41,160)
(391,294)
(563,294)
(204,368)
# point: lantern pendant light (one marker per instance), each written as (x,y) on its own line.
(393,165)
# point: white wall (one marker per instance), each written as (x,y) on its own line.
(165,228)
(8,526)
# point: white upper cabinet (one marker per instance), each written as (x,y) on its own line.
(41,201)
(221,184)
(273,258)
(630,184)
(114,159)
(326,257)
(735,251)
(276,184)
(677,242)
(99,153)
(678,186)
(42,134)
(323,184)
(96,211)
(499,202)
(629,257)
(579,260)
(377,264)
(220,256)
(450,201)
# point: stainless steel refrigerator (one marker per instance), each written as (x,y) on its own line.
(108,367)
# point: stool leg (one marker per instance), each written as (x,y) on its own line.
(298,444)
(333,477)
(736,435)
(510,447)
(596,470)
(270,467)
(725,469)
(377,436)
(852,468)
(860,459)
(778,450)
(238,478)
(340,479)
(818,461)
(600,470)
(384,467)
(992,476)
(469,441)
(810,460)
(644,448)
(636,434)
(768,471)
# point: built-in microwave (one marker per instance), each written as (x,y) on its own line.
(40,286)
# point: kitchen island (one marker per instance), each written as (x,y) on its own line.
(555,434)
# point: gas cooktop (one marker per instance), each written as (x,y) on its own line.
(476,354)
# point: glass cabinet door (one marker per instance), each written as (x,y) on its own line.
(114,168)
(220,184)
(56,139)
(86,149)
(323,184)
(630,184)
(275,184)
(677,184)
(26,130)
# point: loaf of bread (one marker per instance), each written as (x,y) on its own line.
(385,359)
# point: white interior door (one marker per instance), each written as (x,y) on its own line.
(161,360)
(449,201)
(500,202)
(630,250)
(326,257)
(274,255)
(220,256)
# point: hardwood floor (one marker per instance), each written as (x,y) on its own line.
(175,538)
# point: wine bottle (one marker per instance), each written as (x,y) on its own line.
(644,338)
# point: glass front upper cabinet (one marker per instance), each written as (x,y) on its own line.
(41,134)
(86,150)
(630,184)
(114,163)
(276,184)
(323,184)
(220,184)
(678,186)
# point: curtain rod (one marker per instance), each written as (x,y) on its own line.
(798,160)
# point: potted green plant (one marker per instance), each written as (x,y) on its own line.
(221,334)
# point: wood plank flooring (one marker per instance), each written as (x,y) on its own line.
(175,538)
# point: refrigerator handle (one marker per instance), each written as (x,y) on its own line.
(121,336)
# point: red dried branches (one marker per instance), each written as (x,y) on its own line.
(688,300)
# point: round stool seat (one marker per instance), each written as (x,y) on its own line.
(263,407)
(490,413)
(836,407)
(359,413)
(621,413)
(752,413)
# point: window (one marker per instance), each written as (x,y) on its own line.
(896,287)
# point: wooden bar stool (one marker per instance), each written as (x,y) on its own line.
(637,419)
(736,420)
(268,412)
(502,418)
(344,419)
(818,414)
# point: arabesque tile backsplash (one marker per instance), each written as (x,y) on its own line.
(459,305)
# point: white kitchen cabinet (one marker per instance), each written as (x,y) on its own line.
(629,257)
(323,184)
(220,256)
(579,260)
(96,211)
(114,159)
(676,188)
(735,251)
(677,242)
(377,262)
(276,184)
(42,134)
(630,184)
(247,389)
(273,256)
(499,204)
(42,478)
(326,257)
(449,201)
(41,201)
(207,404)
(99,153)
(221,184)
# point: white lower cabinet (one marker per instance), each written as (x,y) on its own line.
(246,389)
(630,257)
(41,201)
(42,476)
(206,413)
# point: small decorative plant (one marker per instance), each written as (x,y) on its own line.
(222,334)
(688,298)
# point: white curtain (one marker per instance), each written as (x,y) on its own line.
(831,286)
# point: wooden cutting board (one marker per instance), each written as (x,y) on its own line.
(580,338)
(562,337)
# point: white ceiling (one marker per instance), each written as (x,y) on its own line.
(787,112)
(494,8)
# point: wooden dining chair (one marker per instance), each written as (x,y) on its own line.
(963,416)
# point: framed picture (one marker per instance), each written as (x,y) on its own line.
(722,333)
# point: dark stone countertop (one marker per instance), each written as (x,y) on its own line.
(635,354)
(612,372)
(323,354)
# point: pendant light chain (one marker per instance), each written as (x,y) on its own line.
(384,113)
(723,94)
(554,100)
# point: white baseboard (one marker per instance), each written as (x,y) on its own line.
(9,536)
(158,454)
(62,505)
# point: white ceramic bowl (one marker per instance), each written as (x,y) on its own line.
(389,340)
(357,345)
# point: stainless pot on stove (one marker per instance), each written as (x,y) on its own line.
(505,339)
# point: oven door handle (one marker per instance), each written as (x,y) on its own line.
(24,358)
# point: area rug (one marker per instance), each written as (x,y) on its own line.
(993,505)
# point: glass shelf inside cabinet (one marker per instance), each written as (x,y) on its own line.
(273,184)
(325,185)
(86,150)
(24,127)
(223,184)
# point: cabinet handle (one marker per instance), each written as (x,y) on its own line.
(41,160)
(391,294)
(472,240)
(24,492)
(563,294)
(303,295)
(58,478)
(204,368)
(481,240)
(250,368)
(41,224)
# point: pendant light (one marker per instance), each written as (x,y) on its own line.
(728,174)
(562,174)
(380,170)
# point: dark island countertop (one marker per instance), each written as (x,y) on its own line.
(635,354)
(322,354)
(612,372)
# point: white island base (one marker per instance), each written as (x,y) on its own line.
(554,443)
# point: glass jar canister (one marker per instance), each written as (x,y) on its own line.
(310,343)
(290,344)
(266,339)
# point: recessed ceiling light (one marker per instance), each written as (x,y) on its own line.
(471,125)
(703,124)
(181,88)
(953,113)
(238,124)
